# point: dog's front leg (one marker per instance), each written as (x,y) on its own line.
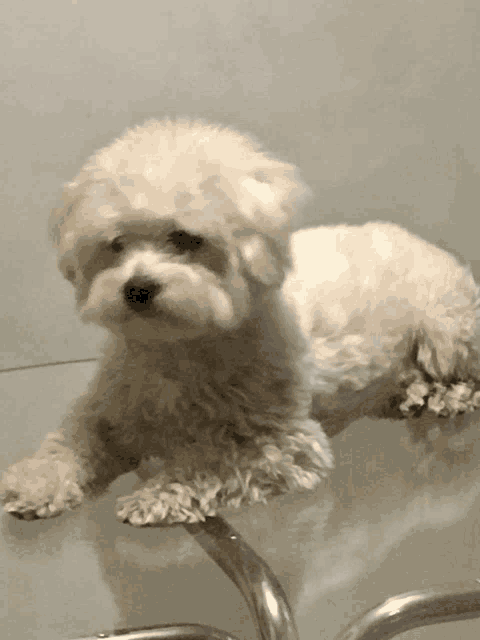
(79,460)
(43,485)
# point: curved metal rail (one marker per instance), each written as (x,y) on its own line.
(263,593)
(413,609)
(167,632)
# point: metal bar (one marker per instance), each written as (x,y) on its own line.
(413,609)
(167,632)
(262,591)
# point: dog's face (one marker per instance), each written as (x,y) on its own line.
(160,280)
(180,254)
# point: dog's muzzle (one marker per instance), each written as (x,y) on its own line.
(139,294)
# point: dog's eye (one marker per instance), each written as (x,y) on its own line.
(118,244)
(183,241)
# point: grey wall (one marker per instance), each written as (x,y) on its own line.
(376,101)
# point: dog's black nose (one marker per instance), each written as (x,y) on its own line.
(140,292)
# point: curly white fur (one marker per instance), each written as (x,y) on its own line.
(230,337)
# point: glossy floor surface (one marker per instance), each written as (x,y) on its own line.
(374,530)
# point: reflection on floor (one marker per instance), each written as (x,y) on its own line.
(374,530)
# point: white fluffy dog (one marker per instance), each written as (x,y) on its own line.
(229,335)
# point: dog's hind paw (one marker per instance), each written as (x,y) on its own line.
(174,503)
(423,393)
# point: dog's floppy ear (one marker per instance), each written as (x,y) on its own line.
(273,197)
(269,199)
(61,225)
(263,260)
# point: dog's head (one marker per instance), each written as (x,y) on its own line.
(175,228)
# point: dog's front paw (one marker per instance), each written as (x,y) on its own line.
(39,488)
(171,504)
